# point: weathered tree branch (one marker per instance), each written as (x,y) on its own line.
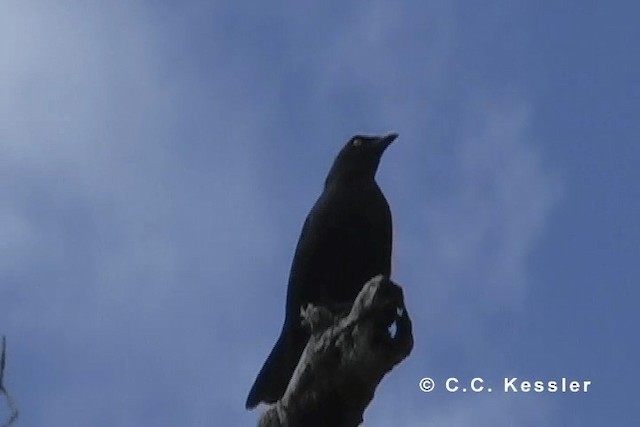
(3,390)
(345,359)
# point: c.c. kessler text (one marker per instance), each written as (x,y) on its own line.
(562,385)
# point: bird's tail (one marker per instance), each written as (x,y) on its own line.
(273,378)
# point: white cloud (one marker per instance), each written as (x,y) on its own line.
(499,197)
(16,239)
(125,248)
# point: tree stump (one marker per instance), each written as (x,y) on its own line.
(345,359)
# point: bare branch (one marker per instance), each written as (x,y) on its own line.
(2,359)
(12,406)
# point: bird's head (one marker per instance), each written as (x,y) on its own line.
(359,158)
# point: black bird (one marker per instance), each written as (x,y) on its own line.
(345,241)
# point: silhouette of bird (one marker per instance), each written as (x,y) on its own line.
(346,239)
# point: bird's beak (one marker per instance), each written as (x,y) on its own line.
(384,141)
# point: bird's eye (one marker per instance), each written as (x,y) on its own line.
(357,142)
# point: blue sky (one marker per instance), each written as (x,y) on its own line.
(158,160)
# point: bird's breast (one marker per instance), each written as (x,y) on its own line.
(352,243)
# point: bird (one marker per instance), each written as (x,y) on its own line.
(346,239)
